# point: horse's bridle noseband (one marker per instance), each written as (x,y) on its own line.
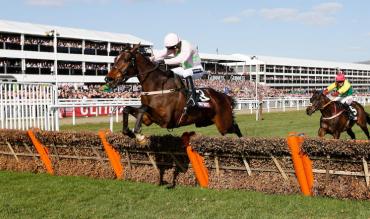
(132,63)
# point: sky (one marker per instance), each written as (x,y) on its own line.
(310,29)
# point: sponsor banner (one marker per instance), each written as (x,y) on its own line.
(228,77)
(89,111)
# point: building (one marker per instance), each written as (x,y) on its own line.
(290,73)
(41,53)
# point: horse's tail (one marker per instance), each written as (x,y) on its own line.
(366,114)
(233,105)
(233,102)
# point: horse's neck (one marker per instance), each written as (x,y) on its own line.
(153,80)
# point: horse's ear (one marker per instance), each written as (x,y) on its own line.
(135,48)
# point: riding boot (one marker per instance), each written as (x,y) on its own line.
(350,112)
(192,99)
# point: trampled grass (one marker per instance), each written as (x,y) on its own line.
(276,124)
(26,195)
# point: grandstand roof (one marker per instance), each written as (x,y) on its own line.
(365,62)
(272,60)
(67,32)
(219,58)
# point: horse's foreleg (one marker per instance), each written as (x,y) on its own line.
(139,118)
(125,129)
(351,134)
(336,135)
(321,132)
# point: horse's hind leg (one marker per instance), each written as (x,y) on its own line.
(336,135)
(366,131)
(351,134)
(235,129)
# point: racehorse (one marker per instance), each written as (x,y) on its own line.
(334,116)
(164,97)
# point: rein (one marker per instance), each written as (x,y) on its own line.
(149,93)
(327,104)
(335,116)
(335,109)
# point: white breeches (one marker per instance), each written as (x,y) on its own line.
(348,99)
(196,72)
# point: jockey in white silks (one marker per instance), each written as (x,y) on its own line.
(181,52)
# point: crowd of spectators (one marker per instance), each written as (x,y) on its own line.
(10,39)
(39,64)
(93,45)
(38,41)
(212,68)
(69,43)
(10,63)
(93,66)
(69,66)
(238,89)
(118,47)
(70,91)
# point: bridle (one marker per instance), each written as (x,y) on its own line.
(133,65)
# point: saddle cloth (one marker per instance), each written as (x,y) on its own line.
(202,99)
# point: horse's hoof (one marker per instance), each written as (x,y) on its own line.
(142,139)
(128,133)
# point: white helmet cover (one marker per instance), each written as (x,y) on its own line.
(171,39)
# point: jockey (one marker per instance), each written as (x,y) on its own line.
(343,93)
(181,52)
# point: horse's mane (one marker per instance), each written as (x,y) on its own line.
(168,74)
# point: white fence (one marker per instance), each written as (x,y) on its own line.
(25,105)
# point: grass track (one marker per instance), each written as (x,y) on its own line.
(276,124)
(27,195)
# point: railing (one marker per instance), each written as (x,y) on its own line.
(25,105)
(284,103)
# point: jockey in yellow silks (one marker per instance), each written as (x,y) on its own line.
(342,92)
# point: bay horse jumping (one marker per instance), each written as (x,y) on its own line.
(335,118)
(164,97)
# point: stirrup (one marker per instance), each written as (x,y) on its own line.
(191,102)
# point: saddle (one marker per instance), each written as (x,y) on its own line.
(350,110)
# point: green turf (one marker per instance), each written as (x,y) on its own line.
(276,124)
(26,195)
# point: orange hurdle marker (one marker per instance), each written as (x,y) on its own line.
(302,164)
(307,164)
(197,162)
(43,152)
(113,156)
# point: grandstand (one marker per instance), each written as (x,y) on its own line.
(293,74)
(42,53)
